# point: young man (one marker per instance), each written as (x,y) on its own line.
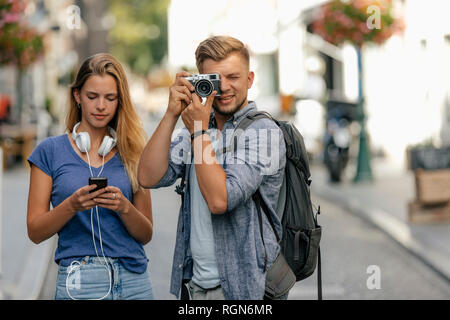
(219,248)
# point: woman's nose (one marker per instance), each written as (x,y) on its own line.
(101,104)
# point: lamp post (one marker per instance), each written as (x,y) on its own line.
(363,170)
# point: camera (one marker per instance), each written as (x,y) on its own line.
(205,84)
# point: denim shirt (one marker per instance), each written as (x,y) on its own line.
(258,162)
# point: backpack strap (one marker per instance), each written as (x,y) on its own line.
(319,267)
(241,127)
(259,202)
(258,207)
(319,277)
(180,190)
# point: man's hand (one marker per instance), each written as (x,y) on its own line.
(180,94)
(196,115)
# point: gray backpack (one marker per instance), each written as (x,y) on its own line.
(301,232)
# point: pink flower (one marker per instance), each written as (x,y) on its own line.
(362,27)
(344,20)
(11,18)
(18,6)
(359,4)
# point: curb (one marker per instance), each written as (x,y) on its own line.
(388,224)
(35,271)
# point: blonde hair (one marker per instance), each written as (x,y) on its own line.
(131,137)
(218,48)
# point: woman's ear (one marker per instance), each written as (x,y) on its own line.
(76,95)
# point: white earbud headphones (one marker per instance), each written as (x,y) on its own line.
(83,142)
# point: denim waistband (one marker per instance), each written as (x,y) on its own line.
(98,260)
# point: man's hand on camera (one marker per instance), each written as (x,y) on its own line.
(180,94)
(196,115)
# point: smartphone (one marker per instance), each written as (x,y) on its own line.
(101,182)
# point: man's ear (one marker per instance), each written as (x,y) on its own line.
(250,78)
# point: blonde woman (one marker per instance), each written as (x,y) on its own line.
(101,233)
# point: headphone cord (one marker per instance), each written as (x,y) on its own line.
(73,268)
(89,162)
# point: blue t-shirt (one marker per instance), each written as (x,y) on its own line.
(57,158)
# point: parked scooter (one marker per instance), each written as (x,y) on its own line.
(338,137)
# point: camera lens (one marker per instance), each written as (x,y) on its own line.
(204,88)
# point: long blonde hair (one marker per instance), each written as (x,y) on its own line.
(131,137)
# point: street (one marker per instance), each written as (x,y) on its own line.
(353,254)
(349,247)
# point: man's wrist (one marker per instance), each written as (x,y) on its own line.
(171,116)
(198,133)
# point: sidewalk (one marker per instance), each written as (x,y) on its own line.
(23,264)
(384,203)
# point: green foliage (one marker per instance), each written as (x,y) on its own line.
(139,35)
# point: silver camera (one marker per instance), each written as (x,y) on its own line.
(205,84)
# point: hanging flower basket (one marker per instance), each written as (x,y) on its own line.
(20,44)
(357,21)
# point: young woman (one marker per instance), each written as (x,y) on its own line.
(100,233)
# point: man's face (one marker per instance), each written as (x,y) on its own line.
(235,80)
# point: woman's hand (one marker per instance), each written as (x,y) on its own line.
(113,199)
(82,200)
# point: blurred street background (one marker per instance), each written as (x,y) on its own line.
(366,82)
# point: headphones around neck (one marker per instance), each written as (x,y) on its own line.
(83,141)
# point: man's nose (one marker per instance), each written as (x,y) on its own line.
(224,85)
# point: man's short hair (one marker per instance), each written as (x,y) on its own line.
(218,48)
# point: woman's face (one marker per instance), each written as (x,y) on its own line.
(98,99)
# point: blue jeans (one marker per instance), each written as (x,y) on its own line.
(90,280)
